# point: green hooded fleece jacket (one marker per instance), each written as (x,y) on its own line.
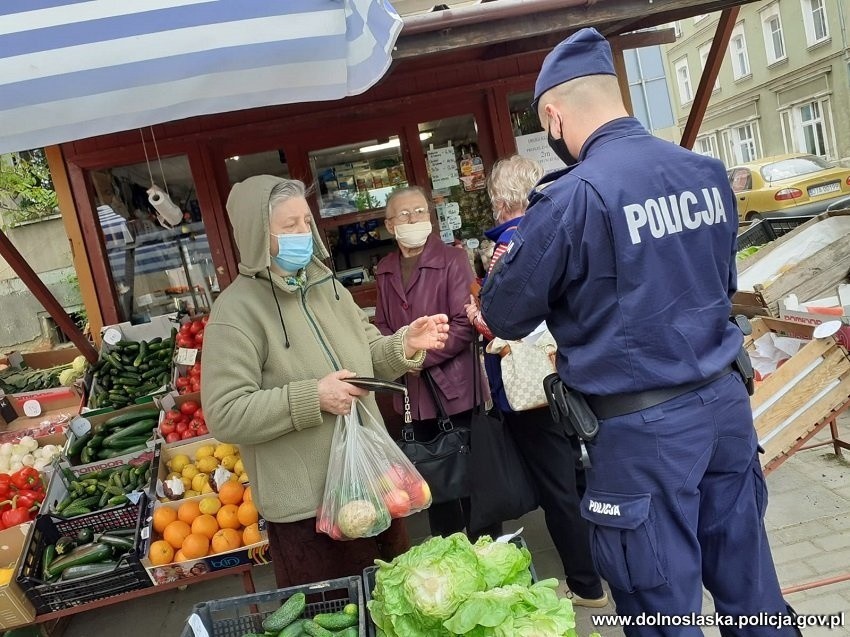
(262,395)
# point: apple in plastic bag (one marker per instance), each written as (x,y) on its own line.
(397,503)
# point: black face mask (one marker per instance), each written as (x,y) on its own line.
(559,147)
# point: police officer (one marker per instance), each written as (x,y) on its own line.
(629,255)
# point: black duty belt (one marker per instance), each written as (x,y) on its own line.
(621,404)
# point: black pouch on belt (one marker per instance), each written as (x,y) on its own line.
(570,408)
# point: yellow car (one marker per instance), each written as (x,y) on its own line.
(787,185)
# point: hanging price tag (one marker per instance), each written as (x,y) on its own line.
(186,356)
(167,402)
(80,426)
(112,336)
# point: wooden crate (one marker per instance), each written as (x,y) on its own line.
(812,278)
(802,392)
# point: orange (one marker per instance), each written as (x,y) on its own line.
(205,525)
(226,540)
(251,534)
(162,517)
(161,553)
(195,546)
(247,514)
(247,497)
(179,557)
(228,517)
(188,511)
(176,532)
(231,492)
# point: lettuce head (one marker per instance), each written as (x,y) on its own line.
(502,563)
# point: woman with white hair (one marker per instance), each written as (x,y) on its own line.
(550,455)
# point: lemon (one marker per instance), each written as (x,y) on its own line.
(189,471)
(178,462)
(210,505)
(243,478)
(239,468)
(207,489)
(187,484)
(207,464)
(229,462)
(191,493)
(224,449)
(199,481)
(204,452)
(172,475)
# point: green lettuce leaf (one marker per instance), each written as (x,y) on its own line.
(502,563)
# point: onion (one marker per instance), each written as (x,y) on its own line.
(28,460)
(15,466)
(29,443)
(41,464)
(6,449)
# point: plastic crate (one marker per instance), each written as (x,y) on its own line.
(235,616)
(766,230)
(128,576)
(369,585)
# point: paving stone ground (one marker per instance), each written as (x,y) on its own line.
(808,519)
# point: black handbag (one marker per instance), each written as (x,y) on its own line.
(500,485)
(443,461)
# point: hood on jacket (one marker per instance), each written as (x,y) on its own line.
(248,210)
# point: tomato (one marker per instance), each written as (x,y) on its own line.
(205,320)
(194,372)
(172,437)
(186,341)
(202,430)
(178,417)
(184,329)
(196,327)
(196,386)
(195,424)
(182,428)
(182,382)
(200,415)
(187,434)
(189,407)
(167,427)
(199,339)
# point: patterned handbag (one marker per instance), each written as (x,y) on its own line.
(524,366)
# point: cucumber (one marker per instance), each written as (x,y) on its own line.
(314,630)
(106,454)
(127,419)
(295,629)
(286,614)
(335,621)
(84,570)
(143,350)
(88,554)
(141,427)
(77,446)
(123,443)
(349,632)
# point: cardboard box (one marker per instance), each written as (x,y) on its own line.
(63,407)
(790,402)
(172,400)
(167,452)
(257,553)
(15,608)
(812,277)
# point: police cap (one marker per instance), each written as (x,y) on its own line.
(585,52)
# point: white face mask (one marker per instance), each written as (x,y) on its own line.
(413,235)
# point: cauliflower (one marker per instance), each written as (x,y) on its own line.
(356,518)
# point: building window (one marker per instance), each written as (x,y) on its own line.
(738,51)
(683,80)
(703,58)
(677,29)
(707,146)
(742,143)
(774,41)
(811,129)
(648,87)
(699,18)
(814,18)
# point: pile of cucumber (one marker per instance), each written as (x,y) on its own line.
(121,434)
(102,489)
(286,622)
(85,554)
(130,370)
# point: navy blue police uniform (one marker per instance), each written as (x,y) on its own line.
(629,255)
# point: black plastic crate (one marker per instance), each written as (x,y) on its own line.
(235,616)
(128,576)
(369,585)
(767,230)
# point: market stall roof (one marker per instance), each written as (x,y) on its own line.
(71,69)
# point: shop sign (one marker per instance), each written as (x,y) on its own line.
(443,167)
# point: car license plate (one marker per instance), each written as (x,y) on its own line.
(822,190)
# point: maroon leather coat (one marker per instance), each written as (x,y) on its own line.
(439,284)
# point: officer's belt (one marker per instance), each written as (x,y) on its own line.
(622,404)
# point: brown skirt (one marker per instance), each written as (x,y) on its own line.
(302,556)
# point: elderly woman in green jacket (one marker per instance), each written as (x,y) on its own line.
(281,341)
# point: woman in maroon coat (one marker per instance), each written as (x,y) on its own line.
(425,276)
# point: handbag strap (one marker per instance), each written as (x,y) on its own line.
(443,420)
(478,401)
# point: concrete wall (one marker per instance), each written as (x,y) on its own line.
(45,247)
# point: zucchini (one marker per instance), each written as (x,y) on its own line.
(286,614)
(335,621)
(295,629)
(314,630)
(132,441)
(89,554)
(127,419)
(85,535)
(142,427)
(120,543)
(47,557)
(126,531)
(106,454)
(84,570)
(64,545)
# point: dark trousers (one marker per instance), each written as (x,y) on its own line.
(453,516)
(552,460)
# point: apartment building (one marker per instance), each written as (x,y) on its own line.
(784,85)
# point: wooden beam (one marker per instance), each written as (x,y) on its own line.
(549,41)
(622,77)
(35,285)
(88,291)
(605,16)
(709,75)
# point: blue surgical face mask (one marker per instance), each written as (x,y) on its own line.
(293,251)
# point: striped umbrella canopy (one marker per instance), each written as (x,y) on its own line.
(71,69)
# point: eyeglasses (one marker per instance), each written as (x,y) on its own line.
(407,216)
